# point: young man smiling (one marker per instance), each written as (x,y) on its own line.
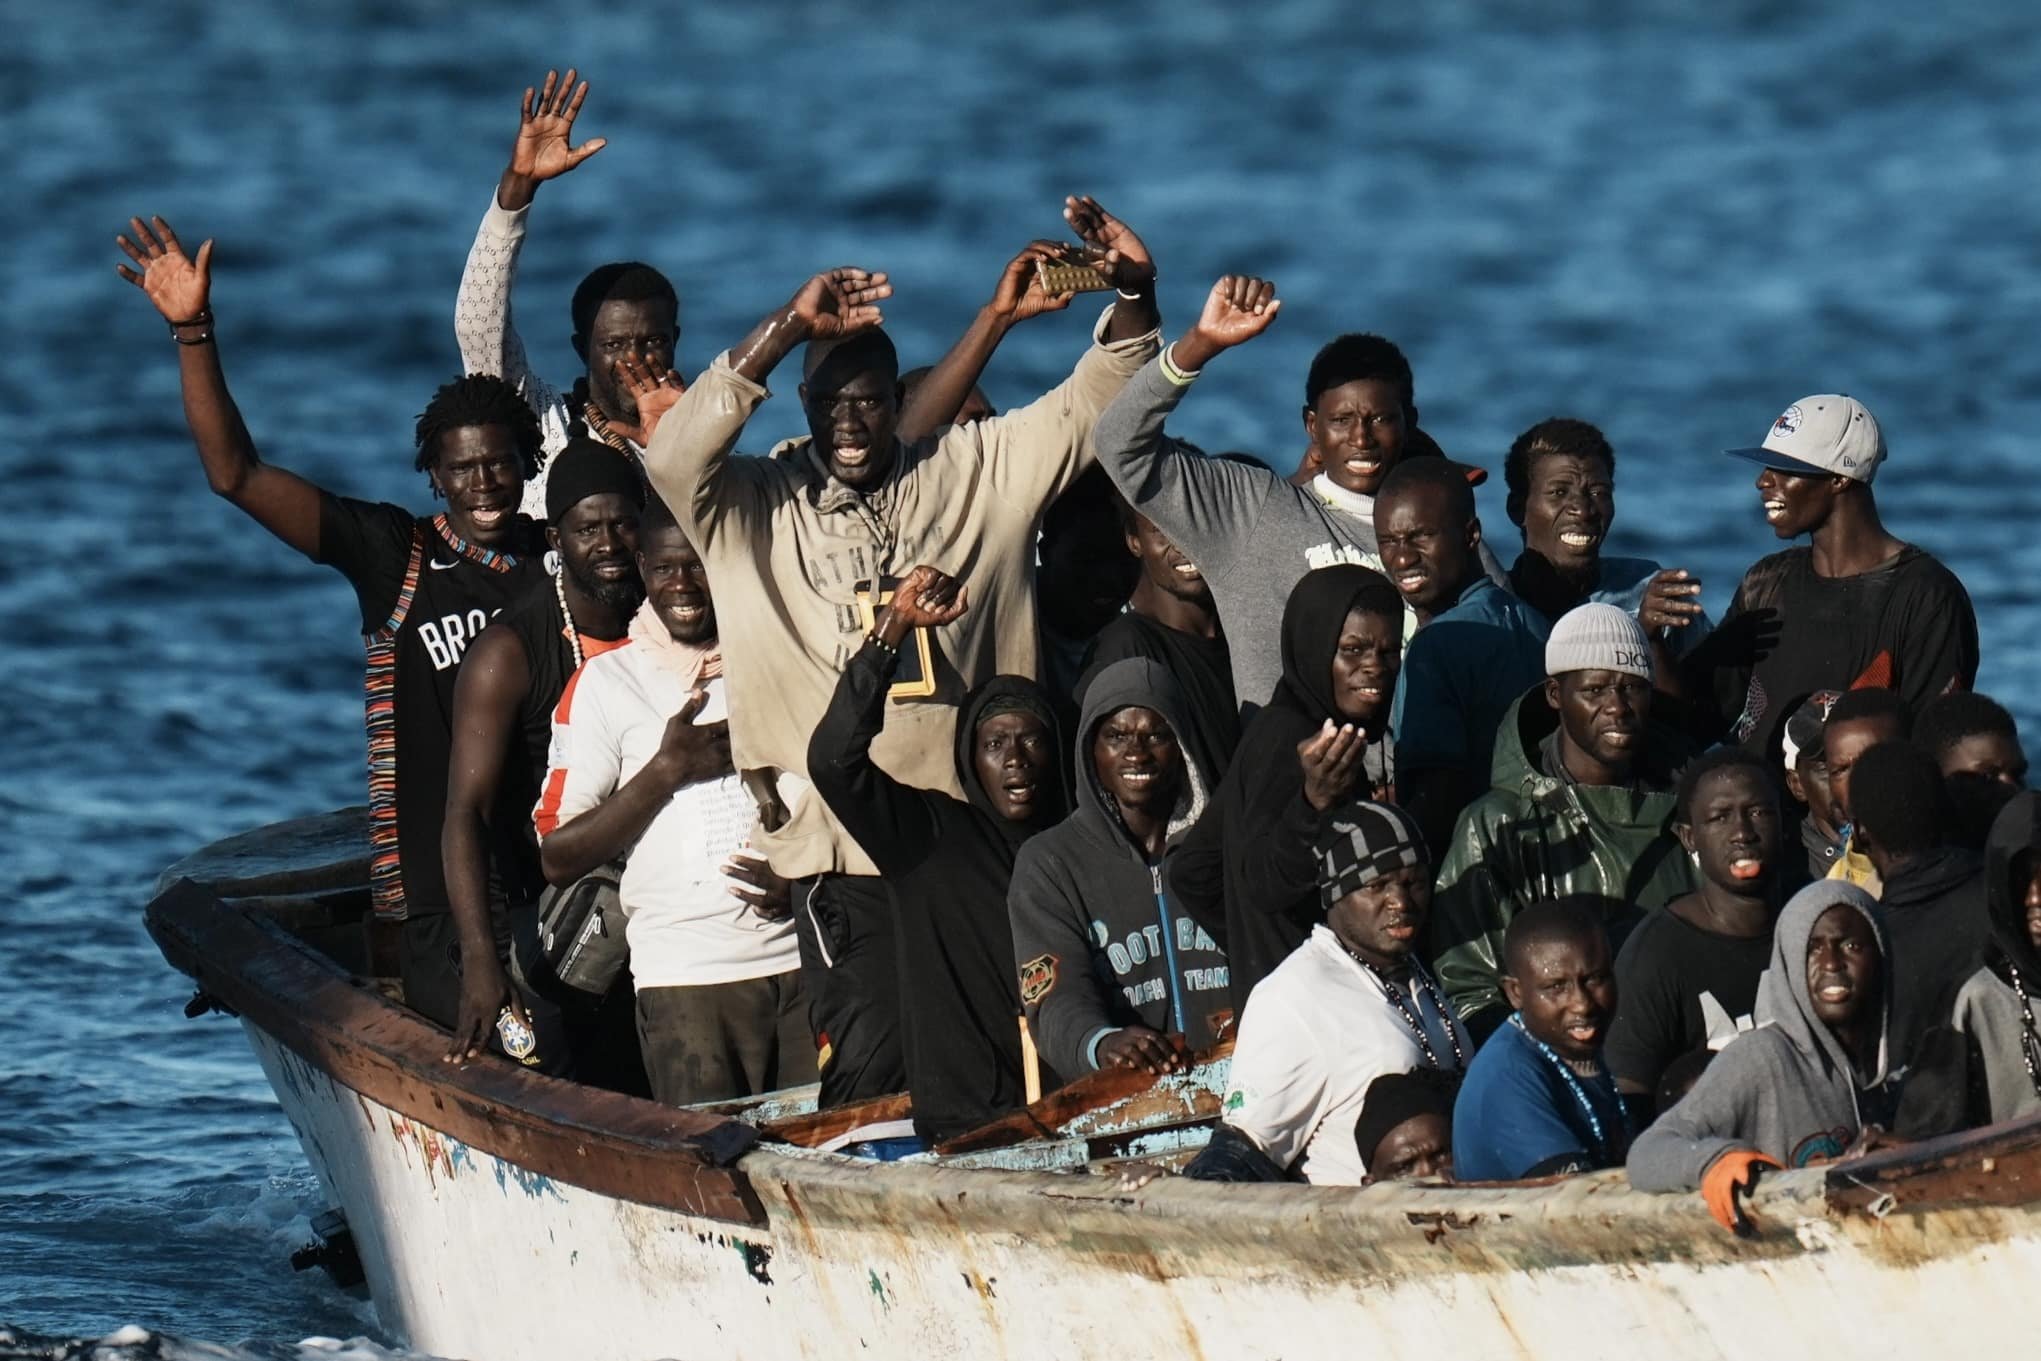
(1539,1100)
(1857,604)
(426,585)
(1579,808)
(1254,534)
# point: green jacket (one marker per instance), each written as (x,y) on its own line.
(1533,837)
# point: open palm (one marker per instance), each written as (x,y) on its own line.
(841,302)
(177,284)
(1238,309)
(545,131)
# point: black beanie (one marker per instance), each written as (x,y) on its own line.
(1394,1098)
(588,468)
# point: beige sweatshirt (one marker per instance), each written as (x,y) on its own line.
(785,545)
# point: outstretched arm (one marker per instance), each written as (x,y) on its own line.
(1206,506)
(493,678)
(543,150)
(1019,296)
(180,287)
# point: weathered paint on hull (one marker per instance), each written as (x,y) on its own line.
(470,1256)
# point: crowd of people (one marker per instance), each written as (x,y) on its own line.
(963,753)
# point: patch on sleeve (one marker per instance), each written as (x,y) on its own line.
(1037,978)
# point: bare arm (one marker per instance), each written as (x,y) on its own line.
(181,287)
(493,678)
(947,387)
(687,754)
(1126,259)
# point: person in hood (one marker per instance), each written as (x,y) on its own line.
(946,861)
(1688,976)
(1999,1008)
(1933,908)
(1321,741)
(1352,1003)
(1809,1083)
(1580,808)
(1977,745)
(1112,973)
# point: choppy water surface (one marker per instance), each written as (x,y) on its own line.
(1669,221)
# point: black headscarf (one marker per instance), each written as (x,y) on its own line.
(1395,1098)
(1007,695)
(2017,829)
(1318,606)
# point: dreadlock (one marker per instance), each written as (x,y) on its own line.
(478,399)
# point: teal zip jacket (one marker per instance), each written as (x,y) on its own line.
(1098,941)
(1534,836)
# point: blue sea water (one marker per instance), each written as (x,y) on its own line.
(1666,218)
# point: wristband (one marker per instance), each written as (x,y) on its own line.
(204,318)
(876,641)
(1181,377)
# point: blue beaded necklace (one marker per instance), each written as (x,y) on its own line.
(1603,1151)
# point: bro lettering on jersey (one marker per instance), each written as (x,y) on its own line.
(446,639)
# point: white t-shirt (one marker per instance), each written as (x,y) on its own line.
(685,928)
(1316,1032)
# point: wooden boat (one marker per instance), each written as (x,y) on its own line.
(505,1216)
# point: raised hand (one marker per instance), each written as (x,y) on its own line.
(178,285)
(925,598)
(1332,762)
(839,303)
(1019,295)
(653,388)
(545,130)
(1672,600)
(1121,253)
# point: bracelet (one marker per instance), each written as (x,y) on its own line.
(204,318)
(1183,378)
(1130,297)
(205,339)
(880,643)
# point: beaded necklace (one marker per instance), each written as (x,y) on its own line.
(1420,979)
(2030,1042)
(573,633)
(1603,1150)
(598,424)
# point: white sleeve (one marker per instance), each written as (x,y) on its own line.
(584,766)
(1277,1087)
(482,323)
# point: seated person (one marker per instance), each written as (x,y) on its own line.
(947,862)
(1977,744)
(1111,971)
(1476,650)
(1859,720)
(1172,619)
(1808,1082)
(1806,770)
(1406,1127)
(1688,976)
(1581,807)
(1561,476)
(1321,741)
(1539,1100)
(1931,897)
(1351,1003)
(640,767)
(1999,1009)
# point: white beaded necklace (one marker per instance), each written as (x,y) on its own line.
(573,633)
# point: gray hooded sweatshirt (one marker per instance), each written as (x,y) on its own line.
(1098,942)
(1788,1088)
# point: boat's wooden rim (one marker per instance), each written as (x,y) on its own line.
(240,955)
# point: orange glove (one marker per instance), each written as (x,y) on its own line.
(1734,1172)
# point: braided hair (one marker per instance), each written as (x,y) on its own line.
(478,399)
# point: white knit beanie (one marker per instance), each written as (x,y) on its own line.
(1596,637)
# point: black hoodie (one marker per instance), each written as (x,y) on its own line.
(1098,943)
(946,864)
(1934,915)
(1255,843)
(1999,1009)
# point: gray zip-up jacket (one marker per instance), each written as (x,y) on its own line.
(1098,942)
(1249,531)
(1788,1088)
